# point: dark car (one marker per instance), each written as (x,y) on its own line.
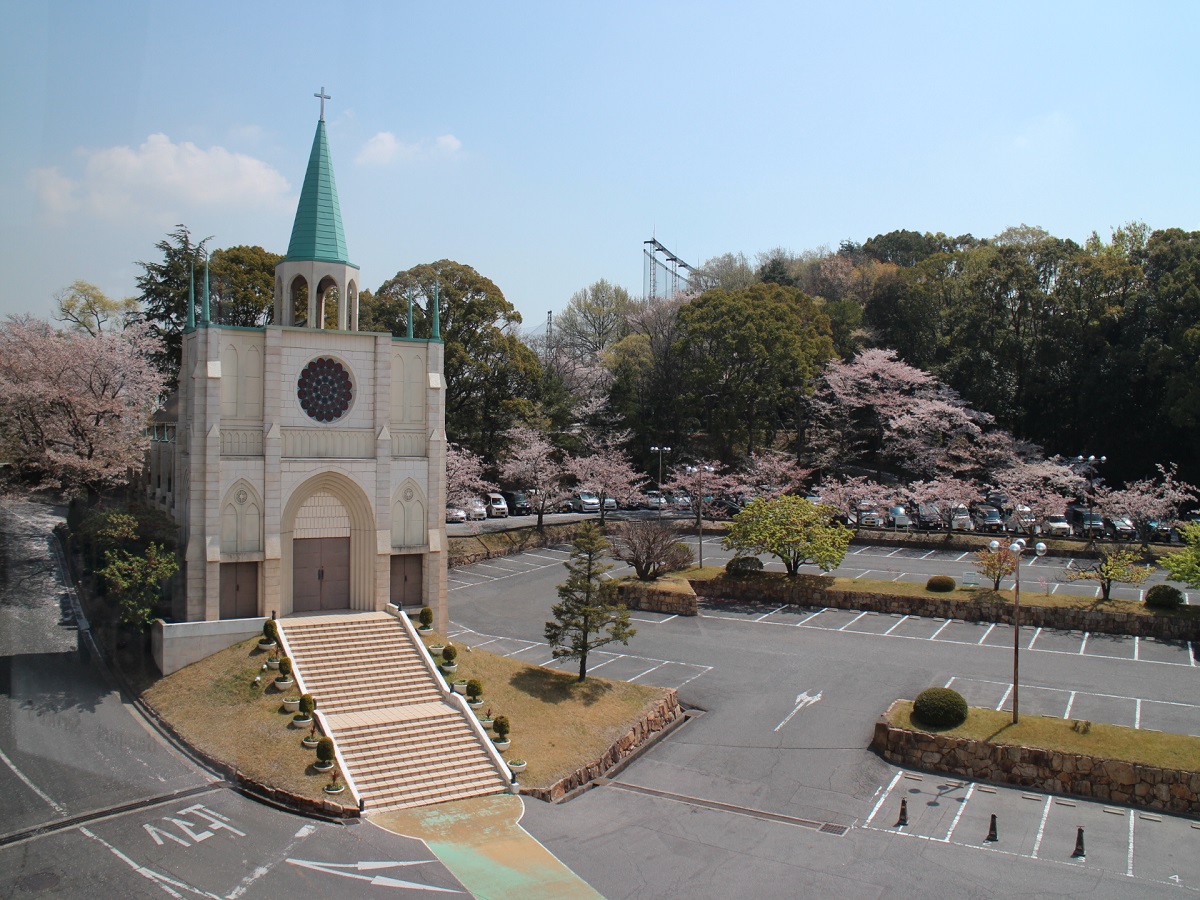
(928,517)
(518,503)
(1084,522)
(986,518)
(1120,528)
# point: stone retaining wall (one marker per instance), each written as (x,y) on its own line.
(650,599)
(813,590)
(663,714)
(465,551)
(1112,781)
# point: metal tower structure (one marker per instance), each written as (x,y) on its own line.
(673,268)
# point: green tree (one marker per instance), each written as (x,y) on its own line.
(995,565)
(792,529)
(586,616)
(242,281)
(1184,565)
(749,358)
(87,309)
(135,581)
(1114,565)
(492,377)
(164,292)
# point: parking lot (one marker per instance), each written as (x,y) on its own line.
(1117,839)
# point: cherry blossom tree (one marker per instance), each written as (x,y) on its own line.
(607,474)
(945,492)
(770,473)
(651,546)
(74,405)
(1146,500)
(846,494)
(464,476)
(703,482)
(1043,487)
(534,465)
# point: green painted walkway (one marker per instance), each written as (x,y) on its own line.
(482,843)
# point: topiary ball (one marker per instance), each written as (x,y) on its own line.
(940,708)
(1164,596)
(943,584)
(740,565)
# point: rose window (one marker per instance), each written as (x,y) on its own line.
(324,389)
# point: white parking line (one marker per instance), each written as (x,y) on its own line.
(881,800)
(647,672)
(939,631)
(1070,703)
(1037,634)
(1135,648)
(811,616)
(772,612)
(1004,699)
(1129,859)
(897,625)
(1037,844)
(852,621)
(1083,646)
(961,809)
(522,650)
(986,633)
(1137,714)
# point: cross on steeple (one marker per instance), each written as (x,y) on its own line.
(323,96)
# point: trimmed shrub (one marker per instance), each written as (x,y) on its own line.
(307,704)
(474,688)
(285,668)
(270,631)
(325,752)
(741,565)
(425,617)
(1164,596)
(500,726)
(940,707)
(943,584)
(449,653)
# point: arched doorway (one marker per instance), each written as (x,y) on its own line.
(327,546)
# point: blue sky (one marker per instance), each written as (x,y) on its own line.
(542,143)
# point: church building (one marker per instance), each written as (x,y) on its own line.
(305,461)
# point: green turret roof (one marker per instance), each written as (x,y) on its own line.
(317,232)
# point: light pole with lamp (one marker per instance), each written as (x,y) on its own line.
(661,497)
(700,470)
(1016,548)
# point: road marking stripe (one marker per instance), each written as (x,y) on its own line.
(1041,830)
(647,672)
(772,612)
(852,621)
(29,784)
(812,616)
(939,631)
(881,800)
(1137,714)
(1083,646)
(1070,703)
(961,809)
(1004,699)
(1129,862)
(894,627)
(986,633)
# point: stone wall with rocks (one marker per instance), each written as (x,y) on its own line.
(465,551)
(1111,781)
(814,591)
(662,715)
(650,599)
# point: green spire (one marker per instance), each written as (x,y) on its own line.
(317,232)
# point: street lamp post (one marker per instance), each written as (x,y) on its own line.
(660,451)
(1016,548)
(700,470)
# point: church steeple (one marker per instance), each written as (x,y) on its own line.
(317,263)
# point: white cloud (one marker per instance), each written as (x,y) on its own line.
(161,175)
(385,148)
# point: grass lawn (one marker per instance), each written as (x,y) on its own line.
(1153,748)
(558,723)
(216,706)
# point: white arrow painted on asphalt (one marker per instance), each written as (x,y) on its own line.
(802,700)
(380,880)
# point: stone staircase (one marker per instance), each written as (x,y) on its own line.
(403,744)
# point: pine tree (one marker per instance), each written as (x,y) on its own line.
(586,617)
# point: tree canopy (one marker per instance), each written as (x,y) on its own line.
(792,529)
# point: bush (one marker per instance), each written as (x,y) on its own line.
(474,688)
(325,752)
(500,726)
(285,668)
(940,707)
(270,631)
(307,704)
(425,617)
(741,565)
(449,653)
(943,584)
(1164,596)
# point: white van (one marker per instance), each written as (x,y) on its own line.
(497,507)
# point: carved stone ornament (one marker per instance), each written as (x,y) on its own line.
(324,389)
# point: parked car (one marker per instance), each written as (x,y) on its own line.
(585,502)
(866,516)
(682,500)
(519,503)
(497,506)
(1159,529)
(928,516)
(958,518)
(476,509)
(610,503)
(1021,520)
(987,518)
(1120,529)
(1084,522)
(897,517)
(1056,526)
(455,515)
(654,500)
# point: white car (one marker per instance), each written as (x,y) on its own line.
(585,502)
(497,506)
(455,515)
(476,510)
(654,500)
(1056,526)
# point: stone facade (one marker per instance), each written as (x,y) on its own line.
(664,714)
(1112,781)
(813,591)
